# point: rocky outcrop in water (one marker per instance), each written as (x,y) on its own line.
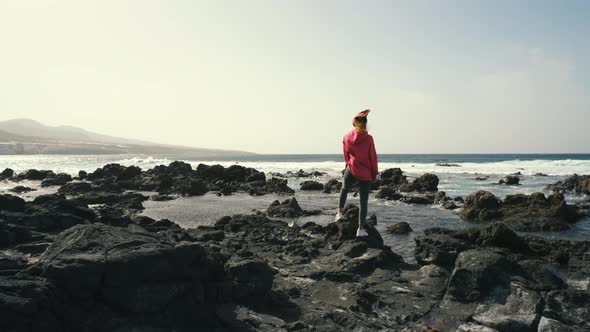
(394,179)
(288,209)
(510,180)
(178,178)
(311,185)
(579,184)
(332,185)
(533,212)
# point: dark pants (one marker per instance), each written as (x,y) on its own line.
(364,188)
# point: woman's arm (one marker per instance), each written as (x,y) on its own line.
(345,153)
(373,160)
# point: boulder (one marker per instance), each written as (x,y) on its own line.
(400,228)
(426,182)
(11,203)
(391,177)
(311,185)
(477,273)
(481,205)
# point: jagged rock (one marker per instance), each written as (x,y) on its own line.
(527,213)
(289,209)
(477,273)
(400,228)
(579,184)
(391,177)
(311,185)
(57,180)
(426,182)
(332,185)
(458,199)
(273,185)
(520,311)
(477,205)
(569,306)
(438,248)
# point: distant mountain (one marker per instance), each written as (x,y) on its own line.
(26,136)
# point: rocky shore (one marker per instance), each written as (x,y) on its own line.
(83,259)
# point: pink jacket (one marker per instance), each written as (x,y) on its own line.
(360,155)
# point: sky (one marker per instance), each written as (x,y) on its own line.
(287,77)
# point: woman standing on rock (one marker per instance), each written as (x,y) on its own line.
(361,166)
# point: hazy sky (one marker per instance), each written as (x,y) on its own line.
(288,76)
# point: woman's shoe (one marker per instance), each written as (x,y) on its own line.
(361,232)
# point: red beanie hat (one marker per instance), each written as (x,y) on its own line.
(362,114)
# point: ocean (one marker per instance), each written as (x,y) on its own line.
(457,173)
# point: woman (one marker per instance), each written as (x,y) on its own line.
(361,166)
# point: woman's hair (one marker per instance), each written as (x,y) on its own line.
(360,123)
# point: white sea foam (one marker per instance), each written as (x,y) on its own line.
(72,164)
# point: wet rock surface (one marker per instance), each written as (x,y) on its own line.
(533,212)
(311,185)
(177,178)
(74,268)
(579,184)
(394,179)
